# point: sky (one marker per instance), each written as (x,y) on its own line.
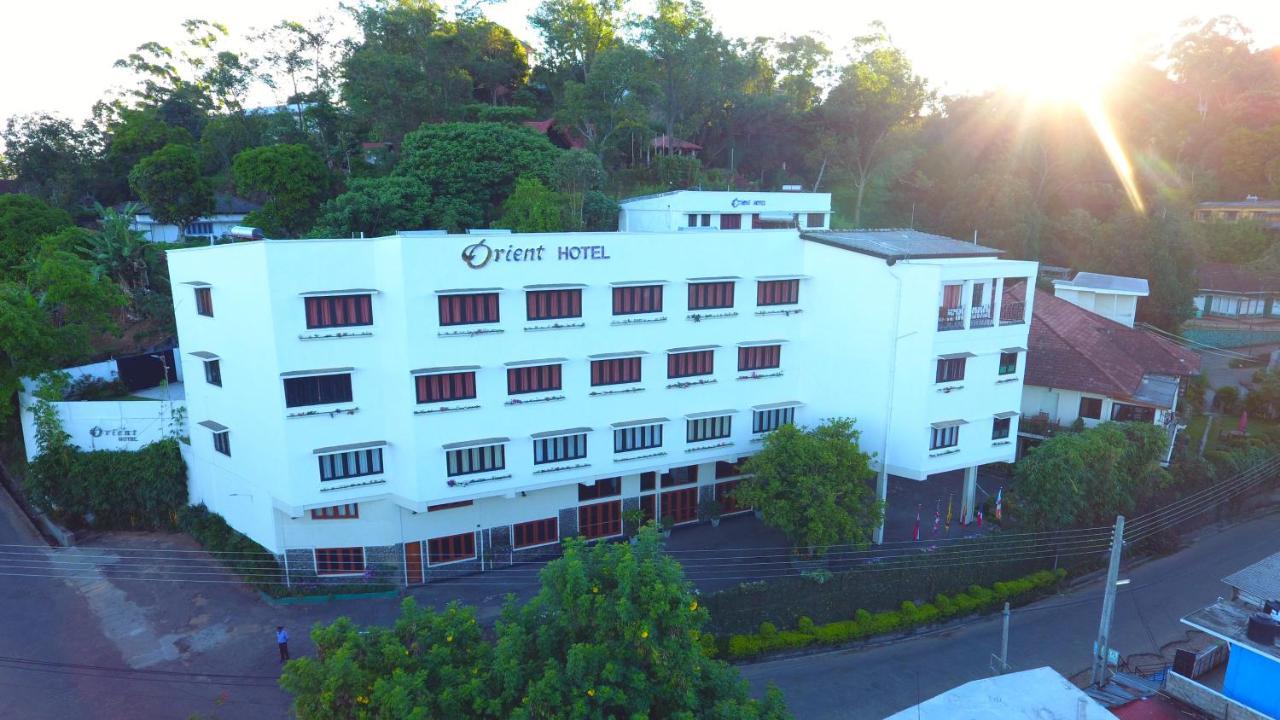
(57,56)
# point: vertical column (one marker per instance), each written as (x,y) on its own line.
(997,302)
(882,494)
(966,301)
(970,494)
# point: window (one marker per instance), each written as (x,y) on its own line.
(535,532)
(680,505)
(1000,428)
(689,364)
(637,299)
(1091,408)
(1123,412)
(213,372)
(944,437)
(534,378)
(317,390)
(1008,363)
(204,301)
(337,512)
(772,222)
(222,442)
(711,428)
(647,481)
(339,311)
(815,220)
(710,295)
(560,448)
(724,496)
(699,220)
(449,505)
(600,489)
(759,357)
(199,228)
(615,371)
(950,370)
(483,458)
(691,220)
(552,304)
(451,548)
(339,561)
(777,292)
(600,520)
(683,475)
(445,387)
(638,437)
(356,463)
(471,309)
(769,420)
(726,469)
(731,222)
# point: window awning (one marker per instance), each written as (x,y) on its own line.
(442,370)
(530,363)
(956,356)
(1006,415)
(639,423)
(560,433)
(348,448)
(759,343)
(948,423)
(777,215)
(197,283)
(710,414)
(555,286)
(635,283)
(352,291)
(214,426)
(691,348)
(203,355)
(468,291)
(476,443)
(1014,349)
(326,371)
(778,405)
(722,278)
(784,277)
(618,355)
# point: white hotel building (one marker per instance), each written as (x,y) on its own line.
(423,404)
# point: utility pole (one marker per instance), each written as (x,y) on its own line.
(1000,663)
(1101,649)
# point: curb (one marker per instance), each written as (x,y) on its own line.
(53,534)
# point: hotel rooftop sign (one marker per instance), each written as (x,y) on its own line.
(478,255)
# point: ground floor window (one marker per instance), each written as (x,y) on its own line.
(724,496)
(535,532)
(449,505)
(339,561)
(451,548)
(1091,408)
(1122,412)
(600,520)
(349,511)
(680,505)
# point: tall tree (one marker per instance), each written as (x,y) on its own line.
(573,33)
(613,100)
(686,49)
(576,173)
(533,207)
(50,157)
(170,183)
(24,219)
(290,179)
(376,206)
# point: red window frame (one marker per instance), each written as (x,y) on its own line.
(469,309)
(637,299)
(553,304)
(731,221)
(450,505)
(725,469)
(691,364)
(600,520)
(759,357)
(339,311)
(814,220)
(711,295)
(600,489)
(339,561)
(680,505)
(682,475)
(533,378)
(950,370)
(349,511)
(444,387)
(451,548)
(777,292)
(204,301)
(724,496)
(535,532)
(615,371)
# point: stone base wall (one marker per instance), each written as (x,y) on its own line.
(1207,700)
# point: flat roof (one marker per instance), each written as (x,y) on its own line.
(1228,620)
(1108,283)
(1158,390)
(1239,204)
(1261,579)
(1025,695)
(899,244)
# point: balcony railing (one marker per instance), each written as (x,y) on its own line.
(950,318)
(1013,312)
(980,316)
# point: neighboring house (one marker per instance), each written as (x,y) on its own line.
(1250,687)
(1265,212)
(696,210)
(1039,694)
(453,403)
(1235,291)
(377,153)
(228,212)
(1083,365)
(667,145)
(1111,296)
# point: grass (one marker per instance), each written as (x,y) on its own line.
(1224,423)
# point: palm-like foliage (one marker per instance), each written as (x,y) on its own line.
(119,252)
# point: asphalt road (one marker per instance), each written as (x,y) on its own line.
(1058,632)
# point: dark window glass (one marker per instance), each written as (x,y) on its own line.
(451,548)
(815,220)
(1091,408)
(770,420)
(638,437)
(535,532)
(711,428)
(1000,428)
(535,378)
(204,301)
(637,299)
(339,311)
(690,364)
(710,295)
(317,390)
(356,463)
(475,460)
(559,449)
(213,372)
(777,292)
(339,561)
(647,481)
(1123,412)
(725,469)
(470,309)
(724,495)
(445,387)
(449,505)
(944,437)
(706,220)
(759,357)
(600,489)
(1008,363)
(731,222)
(600,519)
(552,304)
(222,442)
(950,370)
(692,220)
(683,475)
(616,371)
(337,512)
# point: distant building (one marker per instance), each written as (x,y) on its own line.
(1248,688)
(667,145)
(1031,694)
(682,210)
(1111,296)
(1235,291)
(377,153)
(1251,208)
(228,212)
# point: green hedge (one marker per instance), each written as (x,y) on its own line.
(118,489)
(866,624)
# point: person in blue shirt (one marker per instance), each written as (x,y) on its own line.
(282,640)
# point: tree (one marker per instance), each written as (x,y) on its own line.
(813,485)
(131,136)
(1087,478)
(599,212)
(533,207)
(119,252)
(50,157)
(686,50)
(492,57)
(573,33)
(471,168)
(376,206)
(613,99)
(576,173)
(301,59)
(291,179)
(23,220)
(169,182)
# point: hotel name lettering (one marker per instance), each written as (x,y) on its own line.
(477,255)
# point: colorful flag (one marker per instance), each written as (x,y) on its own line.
(949,498)
(937,521)
(999,502)
(915,532)
(964,514)
(979,518)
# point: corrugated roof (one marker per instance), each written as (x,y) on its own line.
(1261,579)
(899,244)
(1099,281)
(1239,204)
(1239,279)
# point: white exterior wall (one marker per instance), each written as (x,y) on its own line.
(1063,406)
(836,360)
(1121,307)
(161,233)
(668,212)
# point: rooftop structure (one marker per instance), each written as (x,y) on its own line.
(1111,296)
(228,212)
(1038,694)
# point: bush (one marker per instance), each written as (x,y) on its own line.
(115,489)
(1226,399)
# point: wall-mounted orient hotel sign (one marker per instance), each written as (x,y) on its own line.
(477,255)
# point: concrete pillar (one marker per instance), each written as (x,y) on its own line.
(966,301)
(997,301)
(970,496)
(882,494)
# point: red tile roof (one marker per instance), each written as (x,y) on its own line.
(1074,349)
(664,142)
(1230,278)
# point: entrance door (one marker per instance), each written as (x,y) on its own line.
(413,562)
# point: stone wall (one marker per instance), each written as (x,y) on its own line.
(1208,701)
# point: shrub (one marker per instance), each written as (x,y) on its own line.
(768,629)
(119,489)
(805,625)
(838,632)
(946,608)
